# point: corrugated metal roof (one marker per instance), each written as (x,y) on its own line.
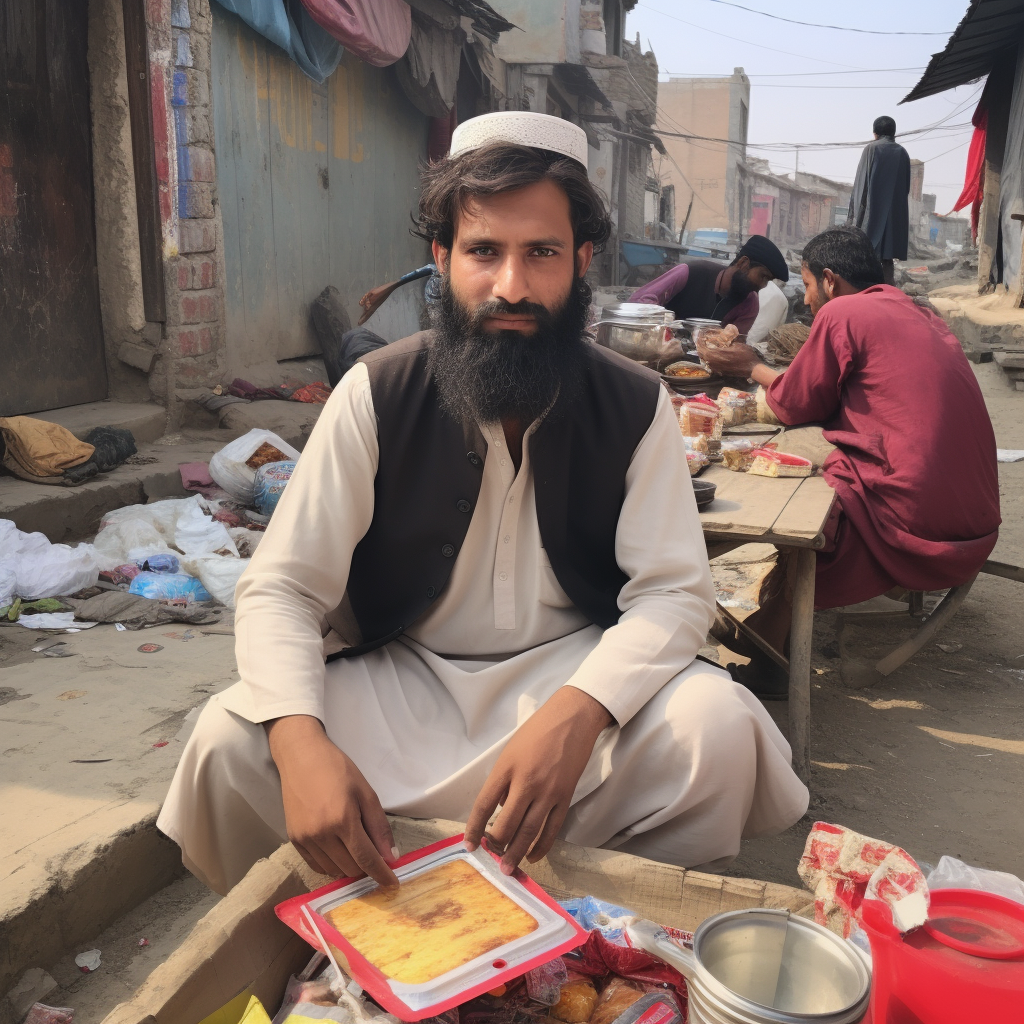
(989,29)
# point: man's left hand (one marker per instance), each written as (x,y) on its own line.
(535,777)
(735,360)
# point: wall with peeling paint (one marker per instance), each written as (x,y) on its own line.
(316,184)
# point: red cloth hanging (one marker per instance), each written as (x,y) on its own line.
(376,31)
(974,179)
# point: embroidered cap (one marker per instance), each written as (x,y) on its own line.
(521,128)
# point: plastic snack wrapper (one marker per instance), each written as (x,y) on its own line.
(738,453)
(737,406)
(843,868)
(544,983)
(769,462)
(43,1014)
(700,415)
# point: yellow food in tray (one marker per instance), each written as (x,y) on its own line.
(434,923)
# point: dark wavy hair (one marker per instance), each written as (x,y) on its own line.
(503,167)
(848,253)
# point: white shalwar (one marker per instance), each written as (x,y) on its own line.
(691,764)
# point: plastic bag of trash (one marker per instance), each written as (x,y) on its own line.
(9,584)
(234,466)
(169,586)
(43,569)
(270,483)
(196,534)
(158,563)
(219,575)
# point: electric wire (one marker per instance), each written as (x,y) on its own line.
(814,24)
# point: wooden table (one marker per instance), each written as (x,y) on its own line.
(791,514)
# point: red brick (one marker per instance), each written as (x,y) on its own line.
(194,341)
(204,274)
(197,236)
(184,275)
(207,308)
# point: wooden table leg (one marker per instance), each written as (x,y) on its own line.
(800,639)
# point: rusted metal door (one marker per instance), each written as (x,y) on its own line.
(51,341)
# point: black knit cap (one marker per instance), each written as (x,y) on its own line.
(759,249)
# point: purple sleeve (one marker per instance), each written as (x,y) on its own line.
(743,315)
(659,291)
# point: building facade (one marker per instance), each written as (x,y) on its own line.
(704,166)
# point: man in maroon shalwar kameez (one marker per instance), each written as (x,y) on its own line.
(914,468)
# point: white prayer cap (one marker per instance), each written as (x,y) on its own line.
(521,128)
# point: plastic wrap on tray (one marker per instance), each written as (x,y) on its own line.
(696,454)
(738,453)
(737,406)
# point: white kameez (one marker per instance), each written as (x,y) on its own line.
(692,763)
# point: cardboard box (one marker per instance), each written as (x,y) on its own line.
(241,949)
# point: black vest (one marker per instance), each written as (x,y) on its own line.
(428,480)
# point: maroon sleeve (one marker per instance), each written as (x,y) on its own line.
(743,315)
(811,389)
(659,291)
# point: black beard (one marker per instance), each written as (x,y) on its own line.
(740,287)
(497,375)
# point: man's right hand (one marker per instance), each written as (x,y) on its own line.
(333,817)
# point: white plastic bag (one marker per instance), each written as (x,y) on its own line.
(951,873)
(228,467)
(42,569)
(196,534)
(246,540)
(8,584)
(218,574)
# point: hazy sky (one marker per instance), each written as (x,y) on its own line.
(789,106)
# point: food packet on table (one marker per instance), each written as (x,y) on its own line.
(696,458)
(738,454)
(737,406)
(769,462)
(700,415)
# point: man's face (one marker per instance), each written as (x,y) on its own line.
(512,248)
(747,277)
(814,294)
(510,324)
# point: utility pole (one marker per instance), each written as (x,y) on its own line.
(797,163)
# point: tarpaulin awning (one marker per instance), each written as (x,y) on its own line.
(376,31)
(429,71)
(989,29)
(286,24)
(485,19)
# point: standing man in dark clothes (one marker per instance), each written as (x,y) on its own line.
(706,289)
(879,205)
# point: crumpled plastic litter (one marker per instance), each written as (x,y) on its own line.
(88,961)
(230,469)
(8,585)
(544,983)
(158,563)
(169,586)
(218,575)
(133,612)
(50,620)
(843,868)
(951,873)
(197,534)
(42,569)
(43,1014)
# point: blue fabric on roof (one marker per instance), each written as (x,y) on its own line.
(286,24)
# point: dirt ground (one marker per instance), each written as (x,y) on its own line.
(932,760)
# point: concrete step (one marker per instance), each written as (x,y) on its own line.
(146,421)
(67,514)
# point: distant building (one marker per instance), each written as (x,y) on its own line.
(788,211)
(701,168)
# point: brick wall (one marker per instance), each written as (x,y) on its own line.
(180,38)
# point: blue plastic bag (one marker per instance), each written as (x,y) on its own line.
(270,483)
(169,586)
(159,563)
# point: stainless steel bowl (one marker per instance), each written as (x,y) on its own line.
(765,967)
(636,330)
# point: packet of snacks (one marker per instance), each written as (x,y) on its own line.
(737,406)
(700,415)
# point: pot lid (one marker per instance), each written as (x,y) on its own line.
(978,923)
(633,311)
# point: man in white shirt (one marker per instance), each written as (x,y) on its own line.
(772,313)
(498,521)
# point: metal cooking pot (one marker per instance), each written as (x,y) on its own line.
(636,330)
(764,967)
